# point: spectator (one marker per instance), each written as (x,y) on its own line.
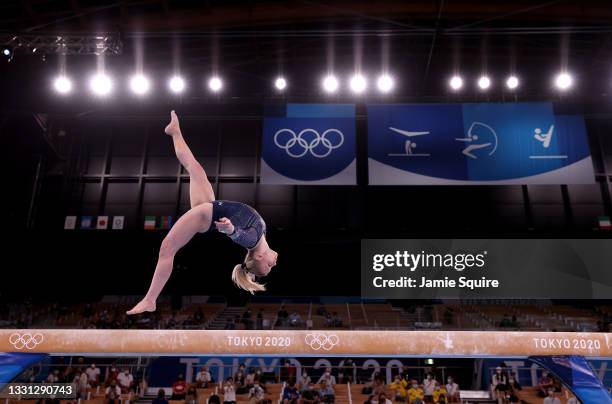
(551,399)
(440,394)
(112,374)
(125,380)
(179,388)
(288,372)
(370,400)
(399,388)
(295,320)
(230,325)
(452,390)
(327,377)
(240,379)
(571,398)
(229,391)
(544,384)
(257,394)
(290,394)
(382,399)
(311,396)
(83,383)
(429,384)
(321,310)
(93,375)
(346,372)
(416,395)
(53,377)
(192,395)
(249,380)
(260,319)
(499,384)
(203,378)
(304,381)
(161,397)
(281,316)
(198,316)
(514,389)
(327,393)
(113,392)
(214,399)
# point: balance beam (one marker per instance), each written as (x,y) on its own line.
(307,343)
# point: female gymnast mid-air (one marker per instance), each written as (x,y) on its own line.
(238,221)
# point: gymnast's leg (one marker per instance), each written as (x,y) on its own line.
(195,220)
(200,189)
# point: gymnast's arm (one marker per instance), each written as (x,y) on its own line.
(224,225)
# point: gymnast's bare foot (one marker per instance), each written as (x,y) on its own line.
(144,305)
(173,127)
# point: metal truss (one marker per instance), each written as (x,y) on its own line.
(64,44)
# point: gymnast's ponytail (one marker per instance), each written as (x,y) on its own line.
(246,280)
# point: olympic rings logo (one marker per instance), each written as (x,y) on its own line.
(309,146)
(27,340)
(321,341)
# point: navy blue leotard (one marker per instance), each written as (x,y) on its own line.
(249,225)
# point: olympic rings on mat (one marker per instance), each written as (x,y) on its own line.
(26,340)
(321,341)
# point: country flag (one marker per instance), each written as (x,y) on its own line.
(604,223)
(70,223)
(166,222)
(86,222)
(102,223)
(118,222)
(149,223)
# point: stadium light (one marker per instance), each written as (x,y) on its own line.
(6,52)
(62,85)
(385,83)
(176,84)
(512,82)
(330,84)
(215,84)
(358,84)
(140,84)
(280,83)
(484,82)
(564,81)
(101,84)
(456,82)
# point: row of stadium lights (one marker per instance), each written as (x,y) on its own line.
(102,84)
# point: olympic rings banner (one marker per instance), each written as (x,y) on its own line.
(468,144)
(309,144)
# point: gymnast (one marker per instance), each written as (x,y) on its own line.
(238,221)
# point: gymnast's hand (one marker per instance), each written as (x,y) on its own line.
(224,225)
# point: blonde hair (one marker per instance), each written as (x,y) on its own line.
(245,280)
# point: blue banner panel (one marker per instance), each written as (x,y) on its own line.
(468,144)
(12,364)
(309,144)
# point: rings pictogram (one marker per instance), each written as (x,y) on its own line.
(27,340)
(298,141)
(321,341)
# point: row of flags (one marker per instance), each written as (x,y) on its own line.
(117,222)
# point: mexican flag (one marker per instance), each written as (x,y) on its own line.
(149,223)
(604,223)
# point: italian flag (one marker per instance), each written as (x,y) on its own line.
(604,223)
(149,223)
